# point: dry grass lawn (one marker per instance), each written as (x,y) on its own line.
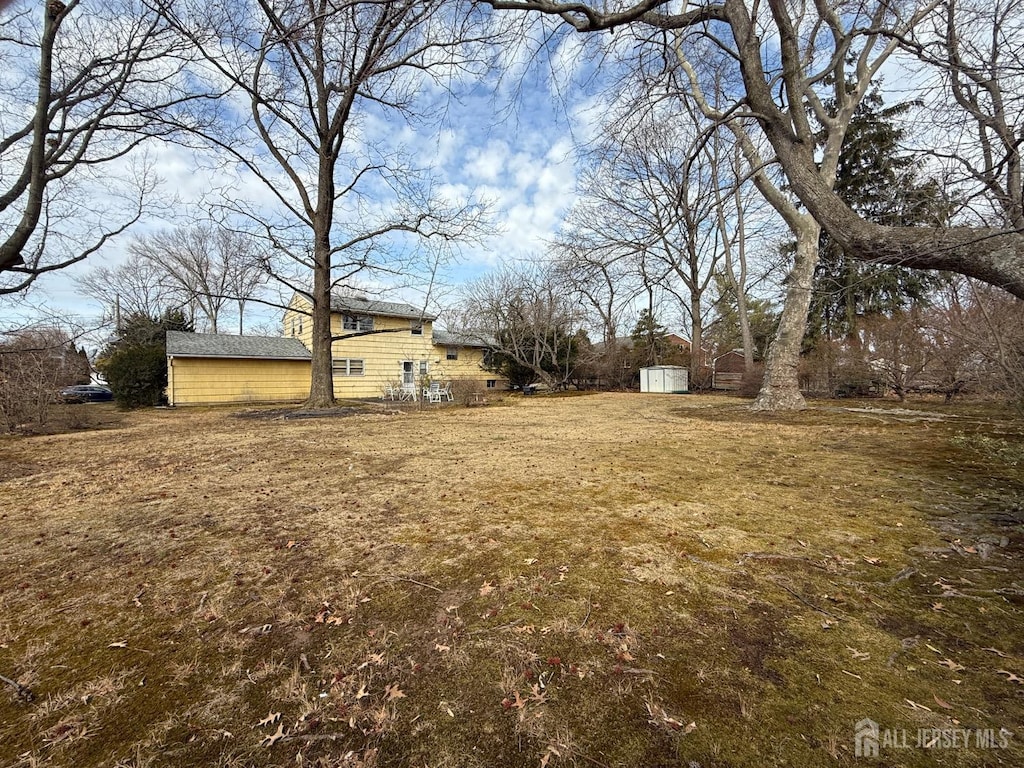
(605,580)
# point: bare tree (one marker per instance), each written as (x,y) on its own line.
(802,74)
(976,50)
(313,77)
(207,268)
(34,364)
(977,341)
(528,321)
(732,211)
(648,202)
(85,87)
(784,55)
(136,286)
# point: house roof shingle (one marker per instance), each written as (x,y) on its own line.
(358,305)
(455,340)
(181,344)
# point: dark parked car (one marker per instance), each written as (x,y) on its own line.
(86,393)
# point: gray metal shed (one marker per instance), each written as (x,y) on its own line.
(664,378)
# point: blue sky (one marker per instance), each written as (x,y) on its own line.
(508,141)
(509,138)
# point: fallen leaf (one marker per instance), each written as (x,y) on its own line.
(392,692)
(996,652)
(269,741)
(872,560)
(950,664)
(1010,677)
(270,719)
(486,589)
(442,648)
(937,606)
(915,705)
(291,543)
(118,644)
(860,655)
(362,693)
(941,703)
(531,561)
(932,648)
(376,659)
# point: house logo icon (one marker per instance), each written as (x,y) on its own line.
(865,738)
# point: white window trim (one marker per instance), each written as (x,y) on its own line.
(342,366)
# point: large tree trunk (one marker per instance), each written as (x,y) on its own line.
(780,389)
(321,387)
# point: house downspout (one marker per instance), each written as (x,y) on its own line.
(170,380)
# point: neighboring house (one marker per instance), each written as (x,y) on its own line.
(728,371)
(390,343)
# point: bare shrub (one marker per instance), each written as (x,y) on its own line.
(468,391)
(34,365)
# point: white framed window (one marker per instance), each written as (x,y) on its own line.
(346,366)
(423,367)
(357,322)
(451,353)
(415,327)
(492,383)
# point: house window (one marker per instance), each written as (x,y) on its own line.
(415,327)
(423,367)
(344,366)
(492,383)
(357,322)
(451,353)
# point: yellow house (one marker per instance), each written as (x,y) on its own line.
(379,343)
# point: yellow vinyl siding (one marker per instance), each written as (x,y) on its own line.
(469,366)
(382,354)
(297,323)
(210,381)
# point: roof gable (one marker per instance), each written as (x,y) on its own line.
(182,344)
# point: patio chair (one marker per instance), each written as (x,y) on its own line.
(391,392)
(446,391)
(433,392)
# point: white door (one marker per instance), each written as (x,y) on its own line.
(409,377)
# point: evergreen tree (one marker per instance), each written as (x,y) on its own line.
(135,361)
(880,184)
(649,344)
(724,331)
